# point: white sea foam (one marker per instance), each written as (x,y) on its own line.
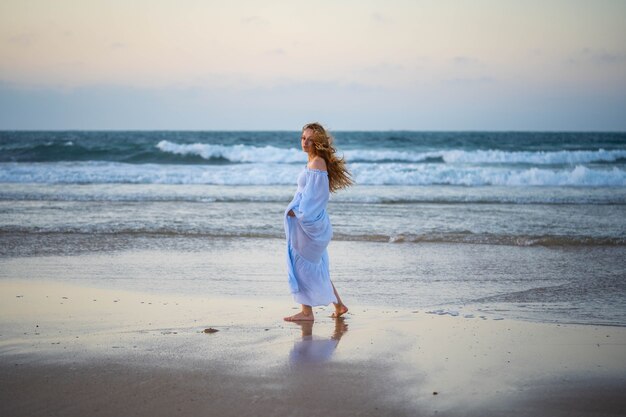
(278,174)
(489,156)
(443,312)
(371,194)
(430,174)
(271,154)
(363,155)
(540,158)
(235,153)
(114,172)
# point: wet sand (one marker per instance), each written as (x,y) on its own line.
(75,351)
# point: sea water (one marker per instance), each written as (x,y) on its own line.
(522,224)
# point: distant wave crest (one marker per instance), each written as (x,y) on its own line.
(271,154)
(234,153)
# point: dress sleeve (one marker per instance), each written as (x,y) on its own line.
(314,197)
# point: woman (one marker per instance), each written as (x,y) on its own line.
(307,226)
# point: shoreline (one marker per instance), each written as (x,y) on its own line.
(137,353)
(550,285)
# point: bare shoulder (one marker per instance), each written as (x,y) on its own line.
(318,163)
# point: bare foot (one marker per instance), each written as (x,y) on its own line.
(300,317)
(340,310)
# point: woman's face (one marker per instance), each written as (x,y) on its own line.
(307,140)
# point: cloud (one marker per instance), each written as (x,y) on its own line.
(288,104)
(379,18)
(469,81)
(601,56)
(22,39)
(465,60)
(596,56)
(254,21)
(381,68)
(276,52)
(126,107)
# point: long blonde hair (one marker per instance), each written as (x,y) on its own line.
(338,175)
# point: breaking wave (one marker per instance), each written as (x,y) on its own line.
(272,154)
(283,174)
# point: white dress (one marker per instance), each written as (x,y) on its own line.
(308,235)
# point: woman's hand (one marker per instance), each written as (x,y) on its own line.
(290,213)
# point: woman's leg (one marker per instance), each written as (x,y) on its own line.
(305,315)
(340,307)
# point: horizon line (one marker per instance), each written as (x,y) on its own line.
(331,130)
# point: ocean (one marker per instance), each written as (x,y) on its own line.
(524,225)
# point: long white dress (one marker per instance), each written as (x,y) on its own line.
(308,235)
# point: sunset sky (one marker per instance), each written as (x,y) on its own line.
(353,65)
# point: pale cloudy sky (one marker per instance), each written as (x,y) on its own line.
(354,65)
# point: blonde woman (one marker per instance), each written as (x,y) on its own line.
(307,226)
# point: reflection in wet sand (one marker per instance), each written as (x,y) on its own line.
(312,350)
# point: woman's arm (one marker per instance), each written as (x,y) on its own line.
(314,197)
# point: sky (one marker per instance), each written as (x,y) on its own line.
(275,65)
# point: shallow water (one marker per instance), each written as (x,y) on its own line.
(565,285)
(547,217)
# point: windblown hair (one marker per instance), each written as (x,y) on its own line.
(338,175)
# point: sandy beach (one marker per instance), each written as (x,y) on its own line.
(74,351)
